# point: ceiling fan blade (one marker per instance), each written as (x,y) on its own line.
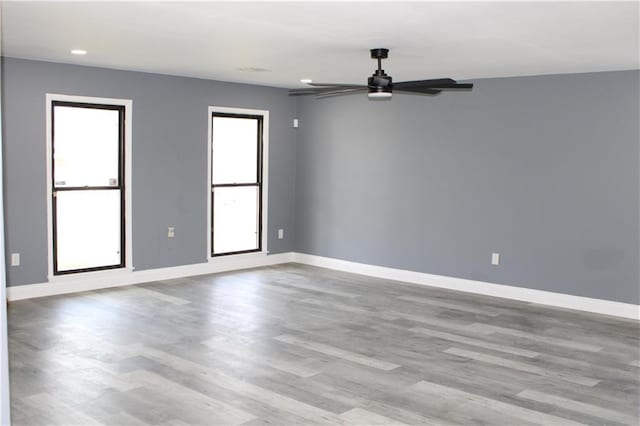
(457,86)
(323,90)
(303,92)
(341,92)
(419,90)
(438,83)
(426,83)
(334,85)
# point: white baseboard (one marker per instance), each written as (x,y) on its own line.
(85,283)
(122,278)
(599,306)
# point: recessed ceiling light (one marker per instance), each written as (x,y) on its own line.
(79,52)
(306,80)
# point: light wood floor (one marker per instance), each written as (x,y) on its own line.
(294,344)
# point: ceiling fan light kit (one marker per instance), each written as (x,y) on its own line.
(380,85)
(379,95)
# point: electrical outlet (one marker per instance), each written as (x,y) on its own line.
(171,232)
(280,234)
(15,259)
(495,258)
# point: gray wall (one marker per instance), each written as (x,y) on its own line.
(169,159)
(544,170)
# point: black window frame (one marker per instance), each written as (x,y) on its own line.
(121,185)
(258,183)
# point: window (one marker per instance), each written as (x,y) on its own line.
(237,151)
(87,186)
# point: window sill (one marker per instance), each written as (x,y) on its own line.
(240,257)
(91,276)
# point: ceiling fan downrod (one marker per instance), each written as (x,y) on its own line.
(379,54)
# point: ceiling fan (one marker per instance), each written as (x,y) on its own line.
(380,85)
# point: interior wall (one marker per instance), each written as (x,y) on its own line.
(543,170)
(169,145)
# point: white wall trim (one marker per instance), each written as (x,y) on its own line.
(254,260)
(265,170)
(92,282)
(128,187)
(599,306)
(5,404)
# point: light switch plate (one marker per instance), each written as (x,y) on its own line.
(15,259)
(495,258)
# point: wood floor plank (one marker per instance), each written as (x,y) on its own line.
(337,352)
(569,404)
(475,342)
(517,365)
(213,411)
(434,390)
(156,294)
(58,412)
(359,416)
(316,289)
(450,305)
(565,343)
(244,388)
(277,361)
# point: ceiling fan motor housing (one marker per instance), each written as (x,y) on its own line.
(380,82)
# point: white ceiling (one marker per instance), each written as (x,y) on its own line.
(328,42)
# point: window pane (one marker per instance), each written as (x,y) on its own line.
(88,229)
(86,142)
(235,150)
(235,219)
